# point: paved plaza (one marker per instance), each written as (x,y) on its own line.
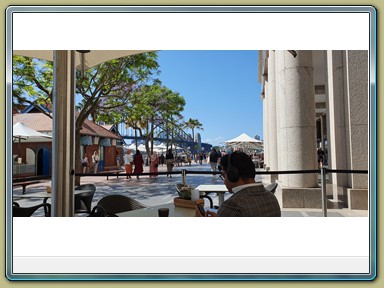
(162,190)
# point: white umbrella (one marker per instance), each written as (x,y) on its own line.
(159,148)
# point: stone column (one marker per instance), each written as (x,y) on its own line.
(337,115)
(265,125)
(272,129)
(300,118)
(357,96)
(281,126)
(63,140)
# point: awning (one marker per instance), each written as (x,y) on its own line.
(105,142)
(86,140)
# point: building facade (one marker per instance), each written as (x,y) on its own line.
(316,99)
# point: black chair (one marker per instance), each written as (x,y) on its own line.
(18,211)
(202,194)
(113,204)
(272,187)
(83,200)
(98,211)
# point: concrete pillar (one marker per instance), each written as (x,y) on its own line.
(357,97)
(337,115)
(265,125)
(272,128)
(300,118)
(63,140)
(281,126)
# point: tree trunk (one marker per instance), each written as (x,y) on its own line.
(136,138)
(77,155)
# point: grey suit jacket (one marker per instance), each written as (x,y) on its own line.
(254,201)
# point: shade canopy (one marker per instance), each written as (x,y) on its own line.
(26,134)
(244,138)
(91,59)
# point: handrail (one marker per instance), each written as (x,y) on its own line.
(323,171)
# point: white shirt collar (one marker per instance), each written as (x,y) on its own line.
(238,188)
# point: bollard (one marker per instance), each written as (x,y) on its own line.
(324,191)
(183,176)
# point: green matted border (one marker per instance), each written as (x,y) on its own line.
(378,282)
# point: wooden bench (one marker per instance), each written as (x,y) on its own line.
(112,171)
(24,184)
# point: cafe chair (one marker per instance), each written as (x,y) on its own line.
(113,204)
(18,211)
(272,187)
(97,211)
(83,200)
(202,194)
(86,187)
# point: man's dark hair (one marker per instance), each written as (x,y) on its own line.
(242,162)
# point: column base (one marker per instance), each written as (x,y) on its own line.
(357,199)
(301,198)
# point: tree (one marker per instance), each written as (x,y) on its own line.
(193,124)
(150,107)
(104,88)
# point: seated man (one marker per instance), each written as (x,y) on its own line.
(250,198)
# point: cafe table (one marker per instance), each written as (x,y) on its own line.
(44,195)
(174,211)
(218,189)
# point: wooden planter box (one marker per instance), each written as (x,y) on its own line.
(187,203)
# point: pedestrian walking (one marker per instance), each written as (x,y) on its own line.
(95,161)
(138,162)
(128,161)
(213,159)
(118,160)
(84,163)
(154,164)
(170,160)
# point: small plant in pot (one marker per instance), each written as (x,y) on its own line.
(185,192)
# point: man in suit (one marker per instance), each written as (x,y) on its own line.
(250,198)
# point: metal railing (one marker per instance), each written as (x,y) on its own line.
(323,172)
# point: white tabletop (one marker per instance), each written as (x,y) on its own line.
(174,211)
(218,189)
(212,188)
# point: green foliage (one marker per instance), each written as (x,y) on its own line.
(151,106)
(32,81)
(193,124)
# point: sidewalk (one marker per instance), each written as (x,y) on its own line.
(162,190)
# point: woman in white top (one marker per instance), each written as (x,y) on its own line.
(128,160)
(95,161)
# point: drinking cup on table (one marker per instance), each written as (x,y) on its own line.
(163,212)
(195,194)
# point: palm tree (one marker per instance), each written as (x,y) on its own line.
(193,124)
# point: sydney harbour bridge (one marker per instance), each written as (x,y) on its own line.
(180,138)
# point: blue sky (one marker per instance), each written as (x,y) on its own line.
(220,89)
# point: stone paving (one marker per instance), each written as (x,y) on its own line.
(162,190)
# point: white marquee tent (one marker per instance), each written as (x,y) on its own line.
(245,143)
(25,134)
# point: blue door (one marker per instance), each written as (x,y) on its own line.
(46,161)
